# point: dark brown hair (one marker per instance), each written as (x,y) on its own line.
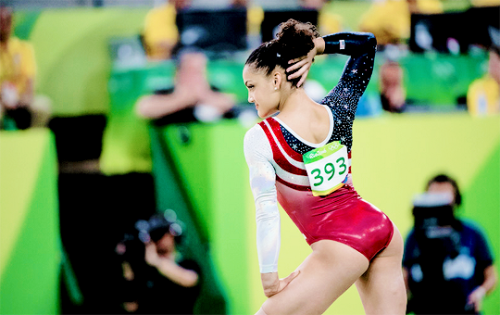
(442,178)
(294,39)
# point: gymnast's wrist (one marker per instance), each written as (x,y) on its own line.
(481,291)
(269,280)
(319,45)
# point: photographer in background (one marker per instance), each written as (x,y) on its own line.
(157,280)
(447,265)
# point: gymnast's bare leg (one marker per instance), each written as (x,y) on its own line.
(382,287)
(326,273)
(331,269)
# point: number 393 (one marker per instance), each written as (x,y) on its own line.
(329,170)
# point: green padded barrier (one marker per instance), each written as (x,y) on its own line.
(210,163)
(208,190)
(228,77)
(172,194)
(126,144)
(29,224)
(439,80)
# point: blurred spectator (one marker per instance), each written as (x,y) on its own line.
(483,96)
(389,20)
(192,98)
(157,280)
(328,22)
(447,265)
(160,34)
(160,31)
(19,109)
(392,92)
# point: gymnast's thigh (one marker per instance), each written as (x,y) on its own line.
(325,274)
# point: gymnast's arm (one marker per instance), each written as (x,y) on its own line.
(262,183)
(361,47)
(258,155)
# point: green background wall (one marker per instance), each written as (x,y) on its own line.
(393,157)
(29,224)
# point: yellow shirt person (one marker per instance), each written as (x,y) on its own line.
(160,32)
(389,20)
(483,97)
(17,68)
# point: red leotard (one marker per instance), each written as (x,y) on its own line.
(341,216)
(277,172)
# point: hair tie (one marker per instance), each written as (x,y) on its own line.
(278,55)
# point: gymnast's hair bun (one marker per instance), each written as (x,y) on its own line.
(296,38)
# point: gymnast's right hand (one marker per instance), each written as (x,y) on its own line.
(301,65)
(273,285)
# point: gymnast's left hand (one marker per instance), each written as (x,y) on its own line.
(273,284)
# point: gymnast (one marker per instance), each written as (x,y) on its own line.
(300,156)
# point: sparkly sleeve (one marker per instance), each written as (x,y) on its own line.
(258,155)
(361,48)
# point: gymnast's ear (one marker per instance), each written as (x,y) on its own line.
(278,78)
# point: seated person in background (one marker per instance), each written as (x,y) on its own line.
(483,96)
(157,279)
(392,93)
(18,107)
(191,99)
(389,21)
(447,266)
(160,31)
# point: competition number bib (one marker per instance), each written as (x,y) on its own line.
(326,168)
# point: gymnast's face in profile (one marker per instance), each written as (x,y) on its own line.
(263,89)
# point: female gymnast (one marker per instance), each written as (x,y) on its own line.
(301,158)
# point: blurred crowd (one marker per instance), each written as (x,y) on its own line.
(389,20)
(144,262)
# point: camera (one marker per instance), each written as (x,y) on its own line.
(132,246)
(435,225)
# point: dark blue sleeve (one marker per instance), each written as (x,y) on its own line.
(482,253)
(361,48)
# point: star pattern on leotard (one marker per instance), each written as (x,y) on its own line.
(342,101)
